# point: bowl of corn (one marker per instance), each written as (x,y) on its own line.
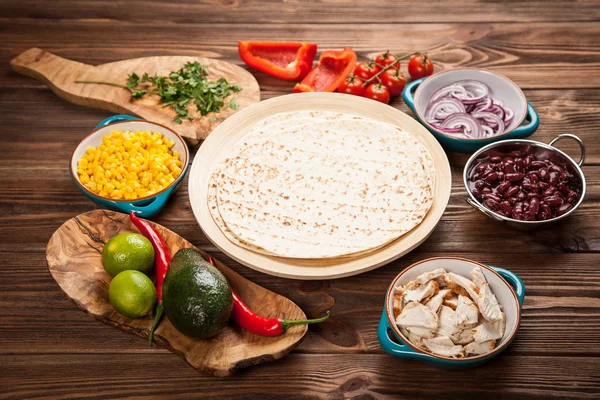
(127,164)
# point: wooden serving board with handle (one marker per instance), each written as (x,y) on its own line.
(60,75)
(74,256)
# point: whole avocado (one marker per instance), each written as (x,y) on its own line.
(196,296)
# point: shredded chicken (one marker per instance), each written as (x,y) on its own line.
(467,313)
(436,301)
(422,292)
(418,319)
(480,348)
(427,276)
(442,311)
(443,346)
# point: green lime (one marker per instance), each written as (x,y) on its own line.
(132,294)
(127,251)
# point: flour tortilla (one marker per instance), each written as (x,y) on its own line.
(321,184)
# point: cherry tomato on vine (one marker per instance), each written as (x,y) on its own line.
(352,85)
(366,70)
(386,59)
(393,80)
(378,92)
(420,66)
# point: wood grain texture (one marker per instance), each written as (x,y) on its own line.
(534,55)
(294,12)
(74,256)
(50,350)
(61,75)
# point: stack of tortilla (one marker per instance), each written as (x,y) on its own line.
(315,184)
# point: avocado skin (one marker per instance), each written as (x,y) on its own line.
(196,296)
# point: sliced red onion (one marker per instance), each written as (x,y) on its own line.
(470,126)
(467,109)
(442,108)
(447,91)
(508,115)
(476,92)
(492,120)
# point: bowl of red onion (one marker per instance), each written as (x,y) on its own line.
(524,183)
(468,108)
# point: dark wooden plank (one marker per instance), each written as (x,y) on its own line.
(538,55)
(298,376)
(561,307)
(336,12)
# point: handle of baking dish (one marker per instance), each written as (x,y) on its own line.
(408,93)
(522,131)
(514,281)
(396,348)
(575,138)
(115,119)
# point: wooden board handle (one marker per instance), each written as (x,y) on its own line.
(44,66)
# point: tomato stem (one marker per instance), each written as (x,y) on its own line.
(383,69)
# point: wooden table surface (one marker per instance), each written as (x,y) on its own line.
(48,348)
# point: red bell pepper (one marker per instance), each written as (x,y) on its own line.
(285,60)
(333,68)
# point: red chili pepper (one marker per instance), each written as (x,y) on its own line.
(285,60)
(333,68)
(250,321)
(162,259)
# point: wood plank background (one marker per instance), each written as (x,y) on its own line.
(48,349)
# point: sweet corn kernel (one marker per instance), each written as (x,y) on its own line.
(130,165)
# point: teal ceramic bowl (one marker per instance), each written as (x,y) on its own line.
(508,288)
(145,207)
(417,94)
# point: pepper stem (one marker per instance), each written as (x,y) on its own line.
(286,324)
(159,313)
(105,83)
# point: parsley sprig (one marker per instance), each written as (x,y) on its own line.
(189,85)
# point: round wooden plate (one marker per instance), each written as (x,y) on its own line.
(229,132)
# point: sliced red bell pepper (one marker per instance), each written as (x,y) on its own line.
(334,66)
(285,60)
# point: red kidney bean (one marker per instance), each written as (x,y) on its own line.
(486,190)
(480,184)
(528,216)
(556,168)
(553,180)
(509,168)
(545,208)
(534,205)
(562,176)
(549,163)
(537,164)
(506,207)
(491,204)
(543,174)
(508,160)
(549,192)
(512,200)
(477,194)
(533,176)
(563,209)
(491,178)
(543,215)
(492,196)
(521,196)
(481,167)
(519,164)
(501,188)
(501,176)
(563,188)
(495,159)
(527,161)
(529,187)
(532,195)
(514,177)
(554,201)
(571,197)
(513,190)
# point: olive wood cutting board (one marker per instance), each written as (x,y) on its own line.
(74,256)
(60,75)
